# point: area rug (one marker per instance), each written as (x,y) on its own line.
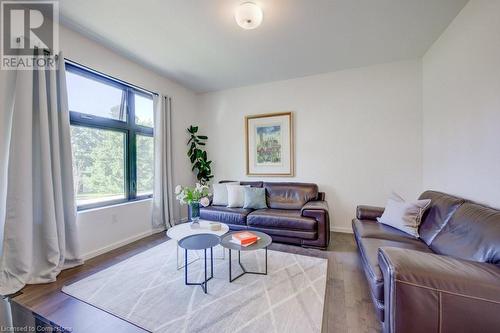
(148,291)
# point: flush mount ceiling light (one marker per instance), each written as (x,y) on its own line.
(248,15)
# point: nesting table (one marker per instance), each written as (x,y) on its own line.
(199,242)
(264,241)
(202,238)
(183,230)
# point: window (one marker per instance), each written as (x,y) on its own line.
(111,137)
(98,164)
(144,164)
(82,92)
(143,110)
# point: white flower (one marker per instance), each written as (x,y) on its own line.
(204,201)
(199,187)
(178,189)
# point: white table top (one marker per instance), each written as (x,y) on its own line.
(182,230)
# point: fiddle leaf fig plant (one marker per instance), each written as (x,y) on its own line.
(198,156)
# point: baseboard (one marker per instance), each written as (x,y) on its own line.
(345,230)
(122,242)
(118,244)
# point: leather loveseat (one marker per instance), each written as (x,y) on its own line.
(297,213)
(448,280)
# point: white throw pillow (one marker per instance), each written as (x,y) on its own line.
(402,215)
(235,196)
(220,193)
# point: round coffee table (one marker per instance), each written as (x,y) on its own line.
(264,241)
(183,230)
(199,242)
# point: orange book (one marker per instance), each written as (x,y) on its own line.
(244,238)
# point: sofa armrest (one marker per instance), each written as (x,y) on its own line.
(364,212)
(318,210)
(426,292)
(315,205)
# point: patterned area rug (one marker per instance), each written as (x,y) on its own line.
(148,291)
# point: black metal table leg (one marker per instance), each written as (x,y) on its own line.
(230,279)
(204,284)
(211,262)
(266,261)
(185,266)
(243,268)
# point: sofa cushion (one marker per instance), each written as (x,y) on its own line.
(289,233)
(252,184)
(280,219)
(472,233)
(438,214)
(225,214)
(290,195)
(245,183)
(374,229)
(368,248)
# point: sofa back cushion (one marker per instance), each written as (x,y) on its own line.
(442,207)
(290,195)
(244,183)
(252,184)
(472,233)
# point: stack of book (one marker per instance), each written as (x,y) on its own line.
(244,238)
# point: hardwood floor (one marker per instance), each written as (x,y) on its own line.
(348,307)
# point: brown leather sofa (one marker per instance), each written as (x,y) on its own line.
(446,281)
(297,213)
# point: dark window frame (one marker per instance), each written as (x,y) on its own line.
(128,127)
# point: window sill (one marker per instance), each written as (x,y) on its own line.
(126,203)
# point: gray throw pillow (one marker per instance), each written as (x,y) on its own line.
(255,198)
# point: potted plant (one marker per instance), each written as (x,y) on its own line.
(193,197)
(201,165)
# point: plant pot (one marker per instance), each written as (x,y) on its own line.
(194,212)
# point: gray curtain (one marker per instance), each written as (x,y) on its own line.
(163,188)
(40,233)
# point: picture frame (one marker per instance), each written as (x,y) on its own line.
(269,145)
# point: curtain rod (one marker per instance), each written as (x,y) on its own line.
(49,52)
(74,63)
(46,52)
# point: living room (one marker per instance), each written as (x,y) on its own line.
(307,119)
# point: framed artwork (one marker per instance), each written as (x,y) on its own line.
(269,144)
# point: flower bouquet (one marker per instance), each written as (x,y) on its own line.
(193,197)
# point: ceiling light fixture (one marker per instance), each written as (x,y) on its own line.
(248,15)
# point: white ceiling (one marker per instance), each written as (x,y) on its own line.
(198,44)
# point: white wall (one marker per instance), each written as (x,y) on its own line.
(357,132)
(105,228)
(461,106)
